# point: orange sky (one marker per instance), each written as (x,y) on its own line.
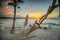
(33,14)
(8,10)
(38,14)
(33,10)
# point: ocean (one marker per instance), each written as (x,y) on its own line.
(54,22)
(40,34)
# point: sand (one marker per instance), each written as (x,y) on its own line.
(38,34)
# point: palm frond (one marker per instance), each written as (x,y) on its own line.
(54,2)
(20,1)
(10,4)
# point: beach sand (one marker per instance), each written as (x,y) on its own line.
(38,34)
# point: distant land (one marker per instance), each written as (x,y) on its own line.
(22,18)
(11,17)
(16,18)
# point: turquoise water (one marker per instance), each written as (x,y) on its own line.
(20,22)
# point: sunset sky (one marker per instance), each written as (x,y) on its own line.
(34,8)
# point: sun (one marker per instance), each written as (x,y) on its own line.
(35,14)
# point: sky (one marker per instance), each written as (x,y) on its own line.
(34,8)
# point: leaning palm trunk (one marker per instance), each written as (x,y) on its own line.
(14,19)
(50,9)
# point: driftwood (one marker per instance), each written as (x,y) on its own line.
(50,9)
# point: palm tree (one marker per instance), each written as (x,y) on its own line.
(26,21)
(50,9)
(14,4)
(0,32)
(59,7)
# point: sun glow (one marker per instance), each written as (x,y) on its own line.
(35,14)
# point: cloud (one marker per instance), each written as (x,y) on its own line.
(5,10)
(8,10)
(1,10)
(20,10)
(27,7)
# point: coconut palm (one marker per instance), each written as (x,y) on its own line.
(50,9)
(15,5)
(59,7)
(26,21)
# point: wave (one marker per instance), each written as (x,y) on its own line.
(52,24)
